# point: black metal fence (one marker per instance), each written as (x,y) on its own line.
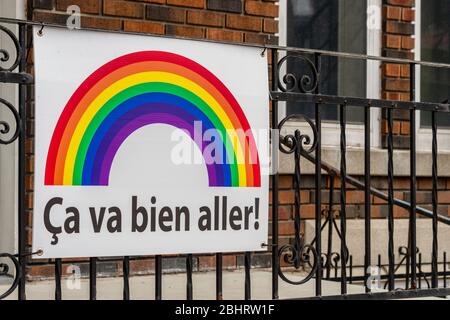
(319,264)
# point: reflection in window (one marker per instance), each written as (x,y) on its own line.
(335,25)
(435,47)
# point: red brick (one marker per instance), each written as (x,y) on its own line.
(392,13)
(404,3)
(400,212)
(391,96)
(405,71)
(405,127)
(285,212)
(395,127)
(285,182)
(399,27)
(41,271)
(209,262)
(392,41)
(30,164)
(165,14)
(43,4)
(29,200)
(206,18)
(50,17)
(101,23)
(444,197)
(355,197)
(142,266)
(86,6)
(29,182)
(391,70)
(307,211)
(224,35)
(408,43)
(143,26)
(286,228)
(120,8)
(259,38)
(185,31)
(408,14)
(396,85)
(375,212)
(154,1)
(243,23)
(259,8)
(288,197)
(270,26)
(29,145)
(187,3)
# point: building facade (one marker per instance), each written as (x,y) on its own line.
(404,29)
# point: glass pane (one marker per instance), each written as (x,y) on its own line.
(335,25)
(435,46)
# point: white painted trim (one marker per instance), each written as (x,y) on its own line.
(424,138)
(330,130)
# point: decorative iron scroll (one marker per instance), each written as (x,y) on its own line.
(4,272)
(292,82)
(5,55)
(5,127)
(298,254)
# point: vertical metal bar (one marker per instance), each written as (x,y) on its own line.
(158,277)
(318,181)
(434,254)
(219,276)
(22,167)
(343,201)
(247,265)
(412,160)
(367,213)
(93,278)
(419,276)
(189,267)
(275,179)
(126,278)
(351,269)
(391,280)
(445,269)
(408,264)
(379,261)
(58,274)
(330,221)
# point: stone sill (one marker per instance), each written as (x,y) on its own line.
(379,162)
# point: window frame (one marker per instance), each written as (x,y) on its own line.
(355,132)
(424,135)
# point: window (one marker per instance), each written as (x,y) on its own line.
(435,47)
(336,25)
(432,84)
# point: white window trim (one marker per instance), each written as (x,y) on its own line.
(355,132)
(424,135)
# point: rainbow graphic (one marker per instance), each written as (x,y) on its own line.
(140,89)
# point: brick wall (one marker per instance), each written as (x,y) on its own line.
(398,42)
(225,20)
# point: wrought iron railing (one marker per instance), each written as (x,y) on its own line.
(305,88)
(309,257)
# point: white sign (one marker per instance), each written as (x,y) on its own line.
(148,145)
